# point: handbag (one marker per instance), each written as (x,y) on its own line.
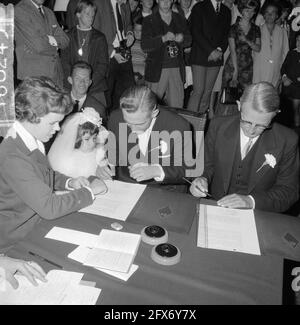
(230,95)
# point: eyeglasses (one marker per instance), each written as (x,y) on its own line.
(255,126)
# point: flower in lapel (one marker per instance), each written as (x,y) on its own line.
(270,160)
(163,147)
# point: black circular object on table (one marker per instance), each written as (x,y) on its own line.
(154,235)
(155,231)
(166,254)
(166,250)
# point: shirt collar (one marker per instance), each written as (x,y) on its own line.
(30,142)
(37,6)
(214,3)
(81,100)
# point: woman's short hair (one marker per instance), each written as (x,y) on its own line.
(37,96)
(248,4)
(263,97)
(82,4)
(88,128)
(140,98)
(268,4)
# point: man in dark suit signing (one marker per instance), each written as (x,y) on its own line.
(251,162)
(154,145)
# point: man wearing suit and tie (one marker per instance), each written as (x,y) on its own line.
(210,24)
(143,153)
(251,162)
(38,37)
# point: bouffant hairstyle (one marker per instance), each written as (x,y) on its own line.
(82,4)
(35,97)
(87,128)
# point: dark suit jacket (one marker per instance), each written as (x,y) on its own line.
(273,189)
(209,31)
(27,183)
(35,56)
(104,19)
(153,45)
(98,59)
(166,121)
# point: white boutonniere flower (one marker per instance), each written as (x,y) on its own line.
(270,160)
(163,147)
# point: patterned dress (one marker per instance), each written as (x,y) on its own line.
(243,53)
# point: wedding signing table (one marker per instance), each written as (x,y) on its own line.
(203,276)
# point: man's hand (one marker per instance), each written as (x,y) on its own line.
(215,55)
(78,182)
(236,201)
(143,172)
(129,40)
(105,172)
(168,37)
(30,270)
(287,81)
(98,186)
(179,38)
(52,41)
(119,58)
(199,187)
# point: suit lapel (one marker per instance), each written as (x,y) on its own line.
(231,143)
(266,145)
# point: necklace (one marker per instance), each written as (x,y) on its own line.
(80,51)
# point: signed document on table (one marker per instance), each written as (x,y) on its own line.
(118,202)
(227,229)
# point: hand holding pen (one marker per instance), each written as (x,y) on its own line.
(199,187)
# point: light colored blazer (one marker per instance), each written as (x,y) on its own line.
(35,56)
(27,185)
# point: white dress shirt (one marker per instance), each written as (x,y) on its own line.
(143,145)
(80,101)
(243,142)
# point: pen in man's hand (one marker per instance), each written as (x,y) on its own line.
(45,260)
(197,187)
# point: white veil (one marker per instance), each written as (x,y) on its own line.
(63,156)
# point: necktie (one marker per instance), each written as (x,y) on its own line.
(119,17)
(75,106)
(41,12)
(247,148)
(218,7)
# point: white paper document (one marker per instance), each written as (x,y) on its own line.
(114,251)
(62,288)
(71,236)
(227,229)
(118,202)
(80,254)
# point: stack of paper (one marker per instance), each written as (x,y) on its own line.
(62,288)
(227,229)
(114,251)
(118,202)
(110,252)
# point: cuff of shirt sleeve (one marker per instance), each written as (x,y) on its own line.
(162,174)
(67,185)
(253,201)
(88,188)
(113,54)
